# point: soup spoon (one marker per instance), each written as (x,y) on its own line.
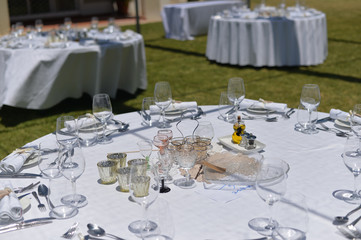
(349,230)
(97,231)
(339,220)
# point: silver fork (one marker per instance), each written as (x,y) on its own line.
(71,231)
(41,206)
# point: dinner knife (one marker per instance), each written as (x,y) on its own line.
(26,224)
(322,120)
(19,175)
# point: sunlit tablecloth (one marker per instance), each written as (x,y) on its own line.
(183,21)
(316,170)
(39,78)
(250,40)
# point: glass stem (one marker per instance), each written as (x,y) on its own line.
(163,117)
(236,108)
(73,186)
(104,127)
(355,191)
(270,220)
(187,175)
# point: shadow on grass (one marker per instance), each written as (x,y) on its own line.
(343,41)
(175,50)
(12,116)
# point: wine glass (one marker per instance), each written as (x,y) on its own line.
(186,157)
(270,187)
(72,166)
(39,25)
(352,159)
(66,131)
(161,142)
(310,99)
(163,98)
(145,148)
(162,166)
(355,120)
(144,190)
(167,132)
(94,23)
(102,110)
(67,23)
(236,92)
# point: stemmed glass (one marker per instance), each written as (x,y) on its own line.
(163,165)
(145,148)
(352,159)
(310,99)
(186,157)
(39,25)
(167,132)
(102,110)
(270,187)
(144,190)
(67,23)
(163,98)
(72,166)
(161,142)
(355,120)
(236,92)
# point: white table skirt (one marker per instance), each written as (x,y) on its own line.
(41,78)
(183,21)
(316,170)
(268,42)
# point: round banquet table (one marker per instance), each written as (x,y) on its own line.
(316,170)
(273,41)
(39,78)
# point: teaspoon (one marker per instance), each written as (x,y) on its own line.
(97,231)
(339,220)
(44,192)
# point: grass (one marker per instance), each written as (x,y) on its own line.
(193,77)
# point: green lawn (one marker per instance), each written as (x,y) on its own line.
(193,77)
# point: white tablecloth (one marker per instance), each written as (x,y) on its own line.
(40,78)
(316,170)
(183,21)
(268,41)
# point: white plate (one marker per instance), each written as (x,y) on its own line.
(227,141)
(260,110)
(343,124)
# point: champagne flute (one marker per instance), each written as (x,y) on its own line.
(163,98)
(102,110)
(310,99)
(72,166)
(144,190)
(236,92)
(270,187)
(352,159)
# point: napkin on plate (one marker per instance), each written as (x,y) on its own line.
(278,107)
(13,162)
(10,207)
(175,106)
(343,116)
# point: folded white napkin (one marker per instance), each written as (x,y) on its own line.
(10,207)
(278,107)
(343,116)
(175,106)
(13,162)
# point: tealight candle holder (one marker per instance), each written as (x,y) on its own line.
(107,171)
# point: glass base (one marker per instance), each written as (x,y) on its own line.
(105,140)
(63,212)
(301,129)
(347,196)
(142,227)
(157,237)
(76,200)
(263,226)
(164,189)
(183,183)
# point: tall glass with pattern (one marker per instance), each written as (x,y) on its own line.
(236,92)
(270,187)
(310,100)
(352,159)
(186,157)
(102,110)
(163,98)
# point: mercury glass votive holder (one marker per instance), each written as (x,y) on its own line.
(140,186)
(123,176)
(107,171)
(119,158)
(139,166)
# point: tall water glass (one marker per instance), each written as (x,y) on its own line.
(310,100)
(306,123)
(87,130)
(66,131)
(270,187)
(102,110)
(236,92)
(72,167)
(225,108)
(163,98)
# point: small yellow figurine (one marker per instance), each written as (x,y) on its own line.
(238,128)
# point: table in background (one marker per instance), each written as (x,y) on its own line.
(274,41)
(183,21)
(42,77)
(316,170)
